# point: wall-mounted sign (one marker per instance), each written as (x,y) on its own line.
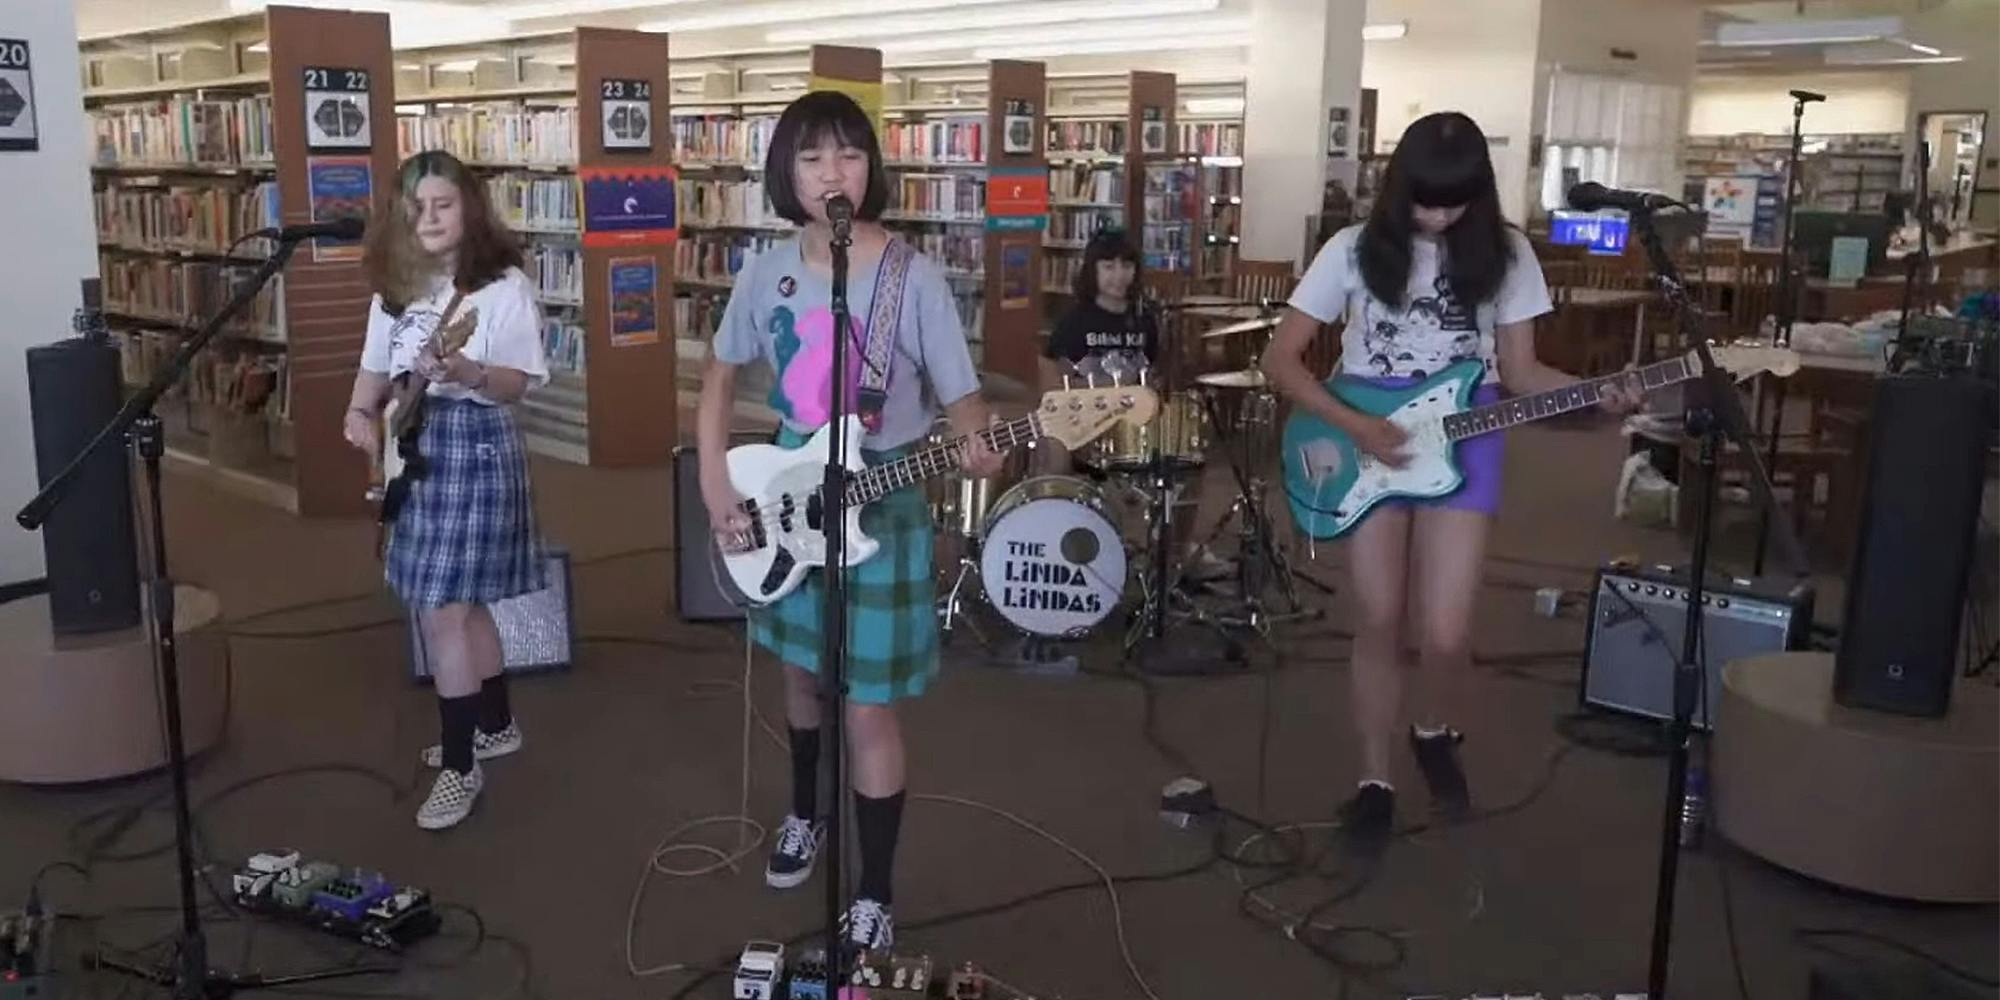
(1018,134)
(628,206)
(1017,199)
(1152,130)
(627,109)
(635,301)
(336,108)
(17,97)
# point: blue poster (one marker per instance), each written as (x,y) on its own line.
(338,187)
(628,206)
(635,309)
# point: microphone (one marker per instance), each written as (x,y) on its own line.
(840,212)
(1807,96)
(1591,196)
(349,228)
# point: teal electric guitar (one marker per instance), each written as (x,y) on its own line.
(1331,484)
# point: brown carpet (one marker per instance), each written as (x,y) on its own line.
(1555,897)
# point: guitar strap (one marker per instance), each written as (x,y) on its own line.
(885,312)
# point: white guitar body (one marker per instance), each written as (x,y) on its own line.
(788,480)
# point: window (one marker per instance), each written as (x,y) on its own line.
(1617,132)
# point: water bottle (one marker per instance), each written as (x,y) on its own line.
(1694,807)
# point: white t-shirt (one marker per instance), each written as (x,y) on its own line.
(507,334)
(1432,329)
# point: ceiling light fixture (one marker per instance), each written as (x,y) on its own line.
(744,15)
(1388,32)
(1055,12)
(413,24)
(1213,105)
(1100,46)
(1739,34)
(568,8)
(1929,50)
(1165,27)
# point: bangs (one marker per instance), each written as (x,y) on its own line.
(1450,181)
(842,121)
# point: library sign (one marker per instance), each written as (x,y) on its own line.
(336,100)
(17,97)
(626,107)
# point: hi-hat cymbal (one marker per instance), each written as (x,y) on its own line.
(1247,326)
(1248,378)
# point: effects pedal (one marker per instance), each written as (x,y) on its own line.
(808,979)
(27,957)
(893,975)
(350,903)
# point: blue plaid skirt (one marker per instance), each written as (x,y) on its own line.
(892,629)
(467,533)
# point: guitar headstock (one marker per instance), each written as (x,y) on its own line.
(1077,416)
(1749,360)
(456,334)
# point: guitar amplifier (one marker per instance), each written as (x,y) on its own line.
(1638,618)
(537,630)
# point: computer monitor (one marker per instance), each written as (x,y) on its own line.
(1813,234)
(1605,233)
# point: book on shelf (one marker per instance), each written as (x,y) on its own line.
(1059,271)
(562,342)
(1071,228)
(714,258)
(937,140)
(187,292)
(961,253)
(536,203)
(234,374)
(698,317)
(1211,138)
(493,133)
(709,202)
(198,218)
(1085,137)
(722,139)
(1086,183)
(956,195)
(557,270)
(180,130)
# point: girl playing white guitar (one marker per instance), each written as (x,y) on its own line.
(464,535)
(1434,276)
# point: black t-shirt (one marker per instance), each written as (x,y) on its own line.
(1125,342)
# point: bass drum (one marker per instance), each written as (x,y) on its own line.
(1051,561)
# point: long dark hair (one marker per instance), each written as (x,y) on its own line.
(397,267)
(804,124)
(1108,244)
(1441,161)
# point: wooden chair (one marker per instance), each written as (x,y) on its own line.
(1255,280)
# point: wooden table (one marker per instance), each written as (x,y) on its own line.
(1604,302)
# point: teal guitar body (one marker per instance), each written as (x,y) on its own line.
(1331,484)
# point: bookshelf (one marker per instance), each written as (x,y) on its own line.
(200,136)
(527,114)
(1162,186)
(1216,144)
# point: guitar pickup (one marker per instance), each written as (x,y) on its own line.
(758,536)
(788,508)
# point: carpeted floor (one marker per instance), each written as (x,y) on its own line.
(645,735)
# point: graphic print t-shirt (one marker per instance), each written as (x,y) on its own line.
(780,311)
(1431,329)
(1100,342)
(507,332)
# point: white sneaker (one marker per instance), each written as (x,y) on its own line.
(792,857)
(451,798)
(485,745)
(869,926)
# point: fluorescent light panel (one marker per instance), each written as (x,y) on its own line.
(412,23)
(569,8)
(1165,27)
(1385,32)
(1737,34)
(744,15)
(1054,12)
(1085,47)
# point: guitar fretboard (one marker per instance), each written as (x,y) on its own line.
(878,481)
(1522,409)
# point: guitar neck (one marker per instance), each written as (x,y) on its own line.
(1525,409)
(876,482)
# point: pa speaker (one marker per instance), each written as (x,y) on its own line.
(537,629)
(88,541)
(1927,440)
(702,591)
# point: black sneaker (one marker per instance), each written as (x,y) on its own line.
(1437,757)
(1368,820)
(792,858)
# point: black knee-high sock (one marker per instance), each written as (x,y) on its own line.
(458,717)
(805,774)
(879,821)
(495,713)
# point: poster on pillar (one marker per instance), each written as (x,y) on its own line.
(1339,137)
(1017,199)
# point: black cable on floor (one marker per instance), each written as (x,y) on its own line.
(1813,935)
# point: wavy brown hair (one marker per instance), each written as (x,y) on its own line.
(397,266)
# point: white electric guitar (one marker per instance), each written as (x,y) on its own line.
(781,486)
(399,414)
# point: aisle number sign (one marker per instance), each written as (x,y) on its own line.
(867,93)
(626,107)
(336,101)
(17,97)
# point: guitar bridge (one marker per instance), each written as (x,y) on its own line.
(759,536)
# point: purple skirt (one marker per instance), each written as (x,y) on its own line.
(1481,459)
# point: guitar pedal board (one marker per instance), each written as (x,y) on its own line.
(350,903)
(766,970)
(27,957)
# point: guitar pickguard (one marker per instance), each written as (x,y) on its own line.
(1429,472)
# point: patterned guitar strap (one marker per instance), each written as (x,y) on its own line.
(884,313)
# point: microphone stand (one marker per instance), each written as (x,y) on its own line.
(833,648)
(1899,355)
(1787,313)
(187,974)
(1713,411)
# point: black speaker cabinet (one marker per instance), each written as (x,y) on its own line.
(1638,619)
(1927,440)
(702,591)
(88,541)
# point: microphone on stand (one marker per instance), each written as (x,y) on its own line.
(349,228)
(1591,196)
(840,213)
(1807,96)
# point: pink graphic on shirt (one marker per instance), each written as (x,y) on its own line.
(806,379)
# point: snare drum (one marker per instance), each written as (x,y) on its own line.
(1052,563)
(1180,430)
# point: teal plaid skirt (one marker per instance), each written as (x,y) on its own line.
(892,629)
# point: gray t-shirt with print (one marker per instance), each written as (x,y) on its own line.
(780,311)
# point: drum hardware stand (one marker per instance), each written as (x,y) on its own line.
(949,608)
(1257,552)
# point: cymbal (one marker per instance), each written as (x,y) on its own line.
(1247,326)
(1248,378)
(1193,301)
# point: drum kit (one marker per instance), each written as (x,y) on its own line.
(1057,557)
